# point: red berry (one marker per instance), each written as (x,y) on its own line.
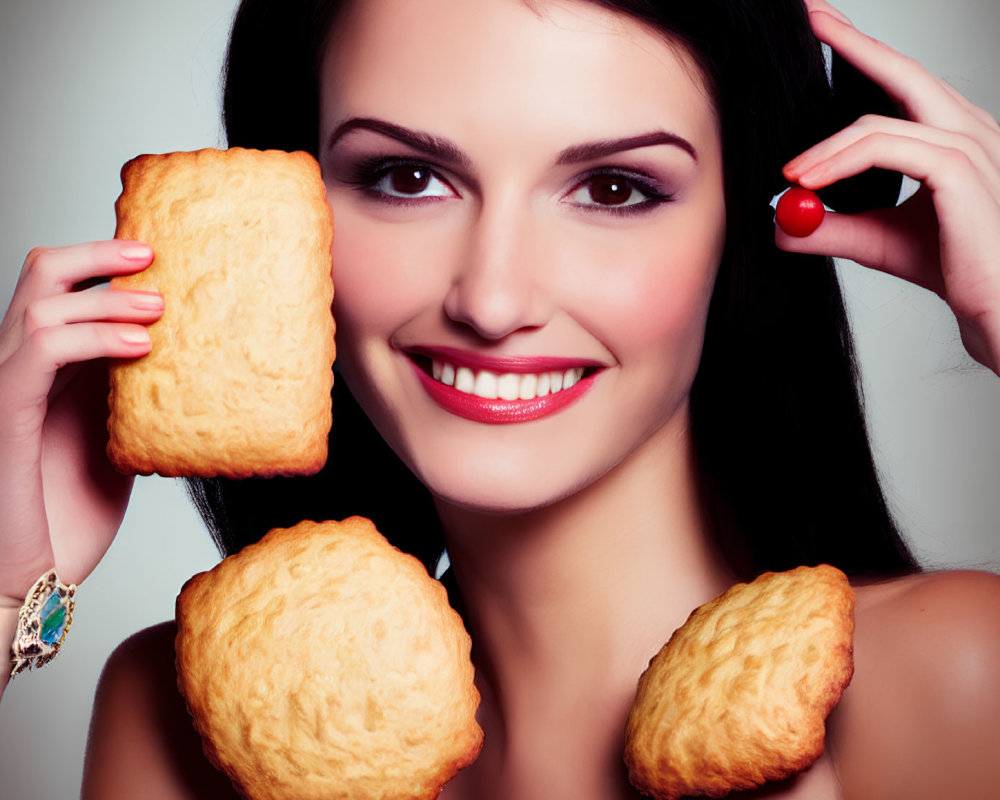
(799,211)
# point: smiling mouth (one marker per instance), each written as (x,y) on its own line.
(490,385)
(501,390)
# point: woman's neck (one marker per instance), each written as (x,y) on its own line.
(567,604)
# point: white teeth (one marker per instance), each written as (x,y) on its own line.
(506,386)
(465,380)
(447,375)
(509,386)
(486,385)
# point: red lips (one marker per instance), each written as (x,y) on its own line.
(495,410)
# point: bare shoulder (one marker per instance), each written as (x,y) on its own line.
(921,717)
(142,743)
(946,625)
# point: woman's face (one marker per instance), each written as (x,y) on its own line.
(529,215)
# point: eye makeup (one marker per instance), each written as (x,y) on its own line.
(616,190)
(398,180)
(404,180)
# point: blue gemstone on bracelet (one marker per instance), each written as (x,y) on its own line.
(53,618)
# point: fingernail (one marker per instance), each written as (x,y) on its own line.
(811,178)
(147,301)
(136,336)
(837,14)
(136,252)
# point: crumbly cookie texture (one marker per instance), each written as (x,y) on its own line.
(238,381)
(323,663)
(740,694)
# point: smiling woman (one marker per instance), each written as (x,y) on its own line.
(513,240)
(574,353)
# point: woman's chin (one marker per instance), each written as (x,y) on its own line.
(493,496)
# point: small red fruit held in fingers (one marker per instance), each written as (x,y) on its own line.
(799,211)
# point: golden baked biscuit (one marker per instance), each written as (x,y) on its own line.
(238,381)
(323,663)
(741,692)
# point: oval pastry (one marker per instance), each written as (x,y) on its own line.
(322,662)
(740,694)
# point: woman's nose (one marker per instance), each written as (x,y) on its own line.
(498,283)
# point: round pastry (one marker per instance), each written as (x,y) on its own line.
(740,694)
(321,662)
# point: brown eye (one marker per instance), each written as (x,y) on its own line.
(616,192)
(609,190)
(409,180)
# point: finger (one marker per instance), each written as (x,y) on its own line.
(99,304)
(30,371)
(53,270)
(920,93)
(958,209)
(988,121)
(52,348)
(822,5)
(936,166)
(48,270)
(873,239)
(948,246)
(879,134)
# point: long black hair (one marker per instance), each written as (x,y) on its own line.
(786,470)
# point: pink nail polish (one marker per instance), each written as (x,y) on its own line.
(147,301)
(136,336)
(136,252)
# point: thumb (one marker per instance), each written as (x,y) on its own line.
(897,241)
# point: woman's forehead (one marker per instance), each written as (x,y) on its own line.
(514,64)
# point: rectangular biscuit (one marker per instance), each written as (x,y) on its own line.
(238,381)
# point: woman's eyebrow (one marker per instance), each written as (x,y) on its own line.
(435,146)
(606,147)
(446,151)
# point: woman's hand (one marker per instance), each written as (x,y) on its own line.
(947,236)
(61,502)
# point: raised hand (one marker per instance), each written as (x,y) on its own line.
(61,502)
(947,236)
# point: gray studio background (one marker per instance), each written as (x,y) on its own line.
(86,86)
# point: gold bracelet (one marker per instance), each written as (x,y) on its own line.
(42,623)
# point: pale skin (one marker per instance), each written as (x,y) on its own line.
(564,617)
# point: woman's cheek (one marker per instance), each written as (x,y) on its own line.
(383,273)
(662,284)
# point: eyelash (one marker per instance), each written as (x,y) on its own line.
(654,196)
(366,174)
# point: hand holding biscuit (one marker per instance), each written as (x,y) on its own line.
(60,501)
